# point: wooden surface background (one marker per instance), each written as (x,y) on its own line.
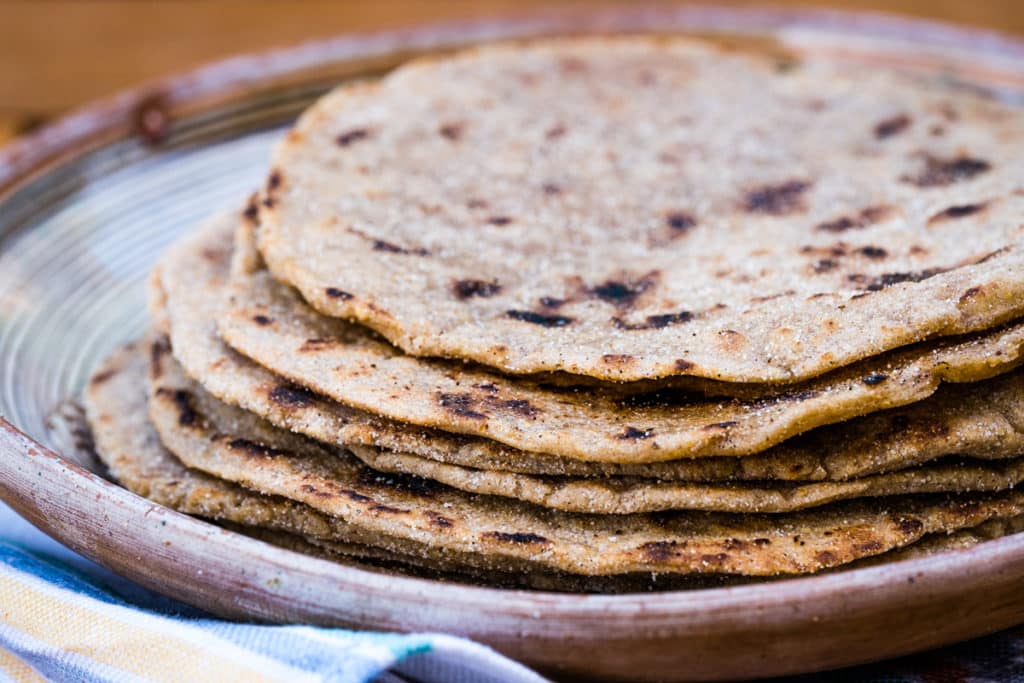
(56,54)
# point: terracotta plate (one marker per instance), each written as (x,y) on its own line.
(88,203)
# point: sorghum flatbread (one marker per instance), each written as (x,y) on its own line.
(630,208)
(132,450)
(237,446)
(270,323)
(981,420)
(984,422)
(625,495)
(127,444)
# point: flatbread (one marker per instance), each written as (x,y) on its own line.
(611,207)
(127,444)
(626,495)
(115,401)
(381,561)
(932,544)
(270,323)
(131,450)
(231,444)
(982,420)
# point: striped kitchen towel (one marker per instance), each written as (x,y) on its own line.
(60,623)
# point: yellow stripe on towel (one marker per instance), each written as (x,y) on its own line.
(14,667)
(122,639)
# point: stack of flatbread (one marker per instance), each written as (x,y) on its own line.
(600,314)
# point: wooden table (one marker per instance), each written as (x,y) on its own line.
(57,54)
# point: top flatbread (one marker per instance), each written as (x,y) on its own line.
(983,420)
(639,208)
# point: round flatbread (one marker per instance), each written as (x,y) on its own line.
(980,420)
(131,450)
(271,324)
(626,495)
(115,402)
(231,444)
(631,208)
(126,443)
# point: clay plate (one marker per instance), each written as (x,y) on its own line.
(86,205)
